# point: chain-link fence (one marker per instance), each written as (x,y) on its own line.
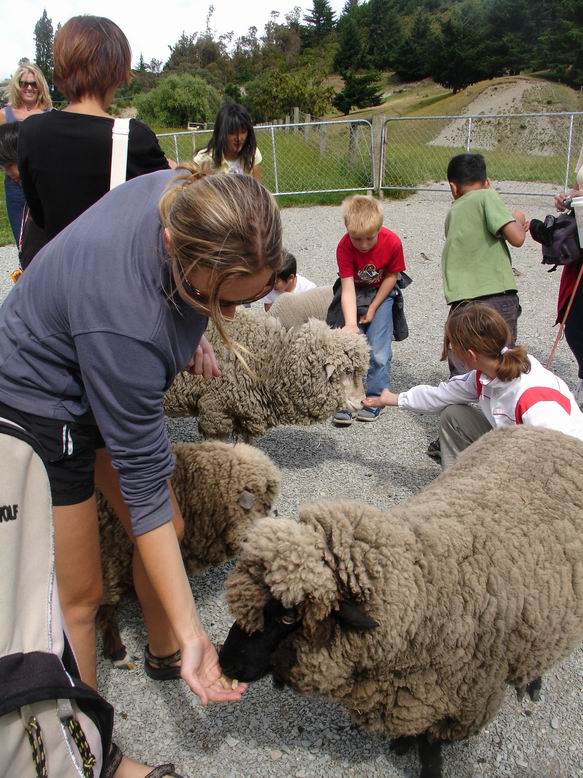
(301,158)
(520,150)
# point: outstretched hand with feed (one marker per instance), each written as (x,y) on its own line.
(201,670)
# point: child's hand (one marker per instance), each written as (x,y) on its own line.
(386,398)
(351,328)
(521,220)
(367,317)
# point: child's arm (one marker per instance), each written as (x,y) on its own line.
(383,292)
(348,304)
(515,232)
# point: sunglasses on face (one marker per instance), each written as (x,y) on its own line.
(203,299)
(28,85)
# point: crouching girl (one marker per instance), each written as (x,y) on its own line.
(503,386)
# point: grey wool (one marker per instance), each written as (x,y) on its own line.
(300,376)
(293,310)
(475,583)
(221,489)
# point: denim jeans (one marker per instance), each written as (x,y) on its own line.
(14,205)
(379,334)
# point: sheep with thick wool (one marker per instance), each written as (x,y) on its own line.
(299,376)
(294,309)
(221,489)
(417,619)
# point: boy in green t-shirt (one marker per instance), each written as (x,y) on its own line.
(476,262)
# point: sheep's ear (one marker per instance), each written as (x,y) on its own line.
(350,614)
(246,500)
(329,371)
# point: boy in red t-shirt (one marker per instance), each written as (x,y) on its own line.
(369,255)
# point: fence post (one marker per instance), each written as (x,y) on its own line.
(322,129)
(469,138)
(177,152)
(287,121)
(569,147)
(275,171)
(296,119)
(352,133)
(376,155)
(307,127)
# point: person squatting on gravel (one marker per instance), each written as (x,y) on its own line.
(91,337)
(370,258)
(509,386)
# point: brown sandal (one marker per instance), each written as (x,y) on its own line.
(114,761)
(161,668)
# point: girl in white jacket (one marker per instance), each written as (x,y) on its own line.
(503,386)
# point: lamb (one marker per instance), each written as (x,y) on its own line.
(221,489)
(302,376)
(293,310)
(416,619)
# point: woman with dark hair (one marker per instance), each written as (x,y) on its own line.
(232,148)
(64,157)
(28,94)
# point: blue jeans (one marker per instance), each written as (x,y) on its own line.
(379,334)
(14,205)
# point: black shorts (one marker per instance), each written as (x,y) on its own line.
(68,453)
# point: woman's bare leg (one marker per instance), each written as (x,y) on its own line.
(161,639)
(78,568)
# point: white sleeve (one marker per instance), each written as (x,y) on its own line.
(269,298)
(550,415)
(460,389)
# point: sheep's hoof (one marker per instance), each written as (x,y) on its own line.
(121,660)
(534,688)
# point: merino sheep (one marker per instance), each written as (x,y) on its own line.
(221,489)
(293,310)
(302,376)
(416,619)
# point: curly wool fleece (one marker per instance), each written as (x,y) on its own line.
(299,377)
(477,582)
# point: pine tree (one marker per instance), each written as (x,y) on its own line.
(414,56)
(385,33)
(460,51)
(319,22)
(360,91)
(351,54)
(510,38)
(43,39)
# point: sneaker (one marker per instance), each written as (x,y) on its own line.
(343,418)
(369,414)
(578,392)
(434,450)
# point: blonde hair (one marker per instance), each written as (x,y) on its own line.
(43,98)
(362,214)
(225,223)
(480,328)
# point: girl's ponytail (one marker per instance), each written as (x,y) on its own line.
(513,362)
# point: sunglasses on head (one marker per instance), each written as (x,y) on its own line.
(203,299)
(28,84)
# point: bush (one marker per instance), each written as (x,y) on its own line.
(178,99)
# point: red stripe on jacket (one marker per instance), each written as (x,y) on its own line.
(537,394)
(479,386)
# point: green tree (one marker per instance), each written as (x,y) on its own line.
(385,33)
(178,99)
(460,50)
(275,94)
(414,55)
(319,22)
(510,38)
(183,51)
(43,41)
(351,52)
(361,90)
(562,40)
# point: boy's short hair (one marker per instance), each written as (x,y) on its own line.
(467,169)
(9,143)
(362,214)
(289,268)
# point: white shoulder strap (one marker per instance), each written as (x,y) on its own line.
(119,152)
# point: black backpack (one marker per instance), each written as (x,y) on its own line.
(559,238)
(52,724)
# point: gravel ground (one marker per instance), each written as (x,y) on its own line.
(278,733)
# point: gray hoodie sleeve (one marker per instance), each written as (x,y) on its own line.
(125,380)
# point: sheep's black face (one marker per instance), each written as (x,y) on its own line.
(249,657)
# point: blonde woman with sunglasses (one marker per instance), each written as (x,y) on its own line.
(91,337)
(28,94)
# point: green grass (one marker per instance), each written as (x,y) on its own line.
(6,236)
